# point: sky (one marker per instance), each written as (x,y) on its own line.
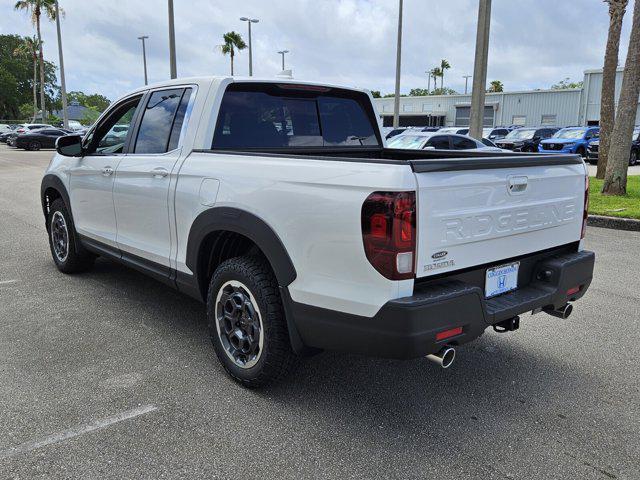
(533,43)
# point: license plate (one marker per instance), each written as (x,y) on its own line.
(501,279)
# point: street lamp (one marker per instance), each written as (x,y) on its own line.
(282,52)
(172,43)
(250,21)
(466,81)
(144,57)
(396,100)
(63,86)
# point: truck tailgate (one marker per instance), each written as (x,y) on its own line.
(468,217)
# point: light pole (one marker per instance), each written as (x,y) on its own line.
(63,85)
(476,120)
(250,21)
(172,43)
(144,57)
(466,81)
(282,52)
(396,100)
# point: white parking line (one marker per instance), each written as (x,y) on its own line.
(7,282)
(76,432)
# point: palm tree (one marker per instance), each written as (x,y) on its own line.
(435,73)
(615,179)
(617,10)
(232,42)
(496,86)
(444,65)
(30,47)
(36,8)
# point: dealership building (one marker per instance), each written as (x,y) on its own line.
(580,106)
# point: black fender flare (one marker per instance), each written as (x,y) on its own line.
(244,223)
(53,181)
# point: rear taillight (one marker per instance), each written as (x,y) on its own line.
(389,233)
(585,213)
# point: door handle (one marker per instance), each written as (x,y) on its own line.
(159,172)
(107,171)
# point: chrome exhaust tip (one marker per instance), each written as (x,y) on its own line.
(444,357)
(562,312)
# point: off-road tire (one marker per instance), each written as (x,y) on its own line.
(276,357)
(77,258)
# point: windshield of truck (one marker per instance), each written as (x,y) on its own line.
(570,133)
(521,134)
(408,141)
(285,115)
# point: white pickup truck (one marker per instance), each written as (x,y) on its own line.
(277,203)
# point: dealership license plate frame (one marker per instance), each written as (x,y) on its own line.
(493,286)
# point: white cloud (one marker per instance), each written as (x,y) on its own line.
(534,43)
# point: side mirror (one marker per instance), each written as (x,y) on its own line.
(69,145)
(429,147)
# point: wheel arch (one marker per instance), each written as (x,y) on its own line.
(52,188)
(220,220)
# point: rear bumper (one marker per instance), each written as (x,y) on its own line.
(407,327)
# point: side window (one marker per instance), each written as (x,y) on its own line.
(110,134)
(440,142)
(157,121)
(176,130)
(461,143)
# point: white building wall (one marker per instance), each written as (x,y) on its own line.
(564,104)
(570,107)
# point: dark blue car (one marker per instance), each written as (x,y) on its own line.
(570,140)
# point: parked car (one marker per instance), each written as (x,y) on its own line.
(5,136)
(525,139)
(495,133)
(316,237)
(390,132)
(457,130)
(570,140)
(594,147)
(24,128)
(5,128)
(40,138)
(438,141)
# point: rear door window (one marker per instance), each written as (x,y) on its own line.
(440,142)
(157,121)
(281,116)
(461,143)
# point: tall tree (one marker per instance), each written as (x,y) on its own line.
(444,65)
(36,8)
(615,179)
(496,86)
(617,9)
(436,72)
(30,47)
(232,42)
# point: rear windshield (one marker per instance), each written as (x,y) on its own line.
(274,115)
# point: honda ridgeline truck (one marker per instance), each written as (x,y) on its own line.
(277,204)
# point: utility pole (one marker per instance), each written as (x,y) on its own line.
(396,100)
(172,43)
(250,21)
(63,85)
(466,82)
(282,52)
(476,121)
(144,57)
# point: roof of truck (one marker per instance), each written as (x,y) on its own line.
(208,80)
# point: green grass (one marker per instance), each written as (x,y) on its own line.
(611,206)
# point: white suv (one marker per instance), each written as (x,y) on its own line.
(277,203)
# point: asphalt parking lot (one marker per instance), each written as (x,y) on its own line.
(110,374)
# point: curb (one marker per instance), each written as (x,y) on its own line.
(616,223)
